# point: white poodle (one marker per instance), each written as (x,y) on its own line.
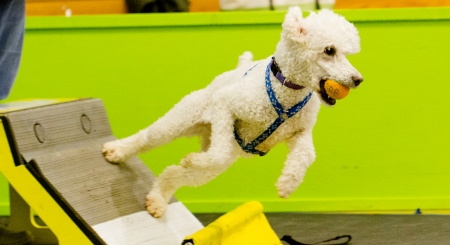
(254,107)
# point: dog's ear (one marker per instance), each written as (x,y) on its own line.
(294,26)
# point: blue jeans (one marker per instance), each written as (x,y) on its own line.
(12,28)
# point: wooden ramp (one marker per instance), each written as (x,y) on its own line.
(50,152)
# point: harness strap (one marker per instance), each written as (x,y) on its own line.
(283,115)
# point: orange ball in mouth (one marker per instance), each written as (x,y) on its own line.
(336,90)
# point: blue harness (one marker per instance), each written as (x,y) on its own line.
(283,115)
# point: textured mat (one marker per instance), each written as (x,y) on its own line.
(64,142)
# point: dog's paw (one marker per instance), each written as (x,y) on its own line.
(283,193)
(286,185)
(156,205)
(113,152)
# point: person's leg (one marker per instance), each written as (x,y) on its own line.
(12,25)
(12,28)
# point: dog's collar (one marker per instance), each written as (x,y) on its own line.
(277,73)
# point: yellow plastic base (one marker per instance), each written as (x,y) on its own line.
(245,225)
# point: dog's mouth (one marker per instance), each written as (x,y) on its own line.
(323,94)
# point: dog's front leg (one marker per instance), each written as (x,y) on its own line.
(300,157)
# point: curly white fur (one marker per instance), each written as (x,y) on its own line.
(236,101)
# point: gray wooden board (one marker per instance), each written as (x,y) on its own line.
(70,159)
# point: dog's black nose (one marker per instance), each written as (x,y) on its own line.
(357,80)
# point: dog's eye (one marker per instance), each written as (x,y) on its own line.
(330,51)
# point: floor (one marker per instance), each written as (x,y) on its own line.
(365,229)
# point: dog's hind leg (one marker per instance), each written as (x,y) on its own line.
(222,146)
(174,177)
(177,122)
(198,168)
(205,137)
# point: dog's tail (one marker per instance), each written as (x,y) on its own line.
(245,58)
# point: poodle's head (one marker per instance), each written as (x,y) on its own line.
(314,49)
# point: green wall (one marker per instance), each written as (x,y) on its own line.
(385,147)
